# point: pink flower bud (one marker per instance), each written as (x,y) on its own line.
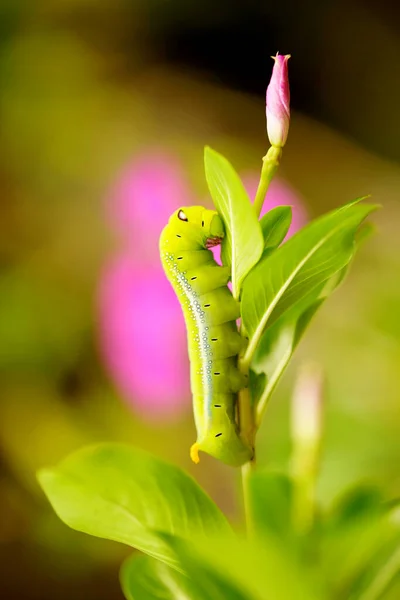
(278,100)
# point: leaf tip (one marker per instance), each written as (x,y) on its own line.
(208,152)
(43,477)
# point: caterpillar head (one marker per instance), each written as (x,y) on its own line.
(199,223)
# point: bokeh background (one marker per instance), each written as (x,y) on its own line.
(105,109)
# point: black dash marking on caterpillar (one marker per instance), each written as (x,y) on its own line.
(214,339)
(179,257)
(193,278)
(218,434)
(177,235)
(202,223)
(217,405)
(207,305)
(217,373)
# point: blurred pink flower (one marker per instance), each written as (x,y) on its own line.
(141,328)
(143,336)
(148,190)
(278,102)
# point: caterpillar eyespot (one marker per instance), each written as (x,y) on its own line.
(200,283)
(182,216)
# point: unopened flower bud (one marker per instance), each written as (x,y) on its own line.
(278,101)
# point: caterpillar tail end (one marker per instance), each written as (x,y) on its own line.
(194,453)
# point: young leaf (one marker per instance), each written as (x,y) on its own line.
(145,578)
(120,493)
(274,226)
(308,259)
(243,243)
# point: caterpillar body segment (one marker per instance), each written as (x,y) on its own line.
(210,313)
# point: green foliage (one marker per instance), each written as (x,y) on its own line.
(123,494)
(277,345)
(346,552)
(309,258)
(145,578)
(280,340)
(257,568)
(243,243)
(108,491)
(275,225)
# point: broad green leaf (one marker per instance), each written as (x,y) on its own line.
(260,571)
(124,494)
(271,503)
(243,243)
(279,342)
(145,578)
(304,262)
(275,225)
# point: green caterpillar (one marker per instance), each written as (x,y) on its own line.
(214,342)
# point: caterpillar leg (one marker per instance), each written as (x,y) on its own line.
(194,453)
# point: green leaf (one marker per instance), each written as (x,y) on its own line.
(362,501)
(243,243)
(260,571)
(277,346)
(359,515)
(275,225)
(380,578)
(306,260)
(145,578)
(279,342)
(124,494)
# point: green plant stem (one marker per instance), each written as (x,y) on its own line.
(247,422)
(269,168)
(383,579)
(247,430)
(305,470)
(307,427)
(247,470)
(246,419)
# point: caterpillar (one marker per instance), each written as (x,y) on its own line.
(210,313)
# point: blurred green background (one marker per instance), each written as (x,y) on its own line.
(87,88)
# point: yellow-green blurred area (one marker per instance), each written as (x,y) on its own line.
(85,88)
